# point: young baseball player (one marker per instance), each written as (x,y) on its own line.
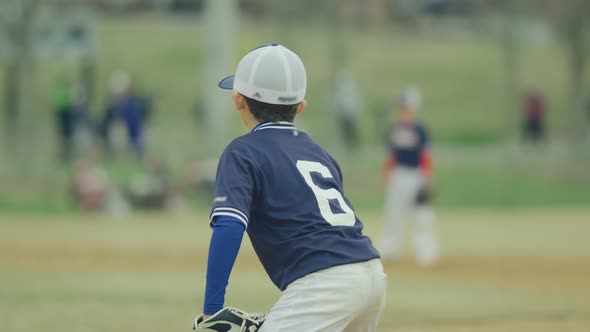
(407,175)
(286,192)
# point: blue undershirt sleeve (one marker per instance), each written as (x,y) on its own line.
(223,251)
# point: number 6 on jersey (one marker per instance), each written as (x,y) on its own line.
(323,196)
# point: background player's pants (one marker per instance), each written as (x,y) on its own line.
(347,298)
(400,200)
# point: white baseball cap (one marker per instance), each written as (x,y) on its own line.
(410,97)
(271,74)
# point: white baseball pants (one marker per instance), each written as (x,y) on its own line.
(400,200)
(347,298)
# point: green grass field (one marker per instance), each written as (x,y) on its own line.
(519,270)
(460,73)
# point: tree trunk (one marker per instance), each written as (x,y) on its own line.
(25,90)
(511,91)
(221,17)
(11,105)
(576,47)
(511,76)
(88,79)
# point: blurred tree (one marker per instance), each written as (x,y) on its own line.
(19,73)
(11,83)
(407,12)
(508,12)
(222,26)
(186,5)
(571,20)
(378,13)
(25,34)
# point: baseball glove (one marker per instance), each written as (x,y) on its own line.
(425,195)
(230,320)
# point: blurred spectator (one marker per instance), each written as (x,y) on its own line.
(533,110)
(119,81)
(200,176)
(89,186)
(63,107)
(132,107)
(153,189)
(346,104)
(133,114)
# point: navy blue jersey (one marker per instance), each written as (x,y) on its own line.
(406,143)
(288,192)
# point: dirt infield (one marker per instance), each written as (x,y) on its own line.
(146,274)
(517,271)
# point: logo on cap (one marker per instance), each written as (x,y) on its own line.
(287,99)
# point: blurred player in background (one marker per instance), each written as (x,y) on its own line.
(533,122)
(407,177)
(63,105)
(347,106)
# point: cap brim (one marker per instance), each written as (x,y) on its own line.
(227,83)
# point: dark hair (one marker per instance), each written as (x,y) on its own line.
(271,112)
